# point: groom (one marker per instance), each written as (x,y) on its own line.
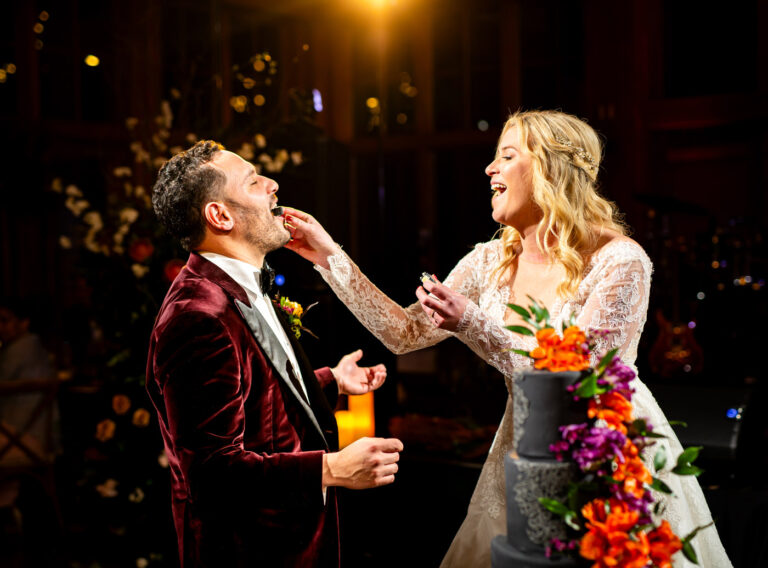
(249,434)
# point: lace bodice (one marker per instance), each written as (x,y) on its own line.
(613,295)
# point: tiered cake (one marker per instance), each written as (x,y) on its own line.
(541,405)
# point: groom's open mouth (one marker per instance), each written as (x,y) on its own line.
(277,211)
(498,188)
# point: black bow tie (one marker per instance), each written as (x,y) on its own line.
(266,278)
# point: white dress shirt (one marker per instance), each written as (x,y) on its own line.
(247,276)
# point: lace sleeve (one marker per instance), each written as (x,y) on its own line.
(400,329)
(618,302)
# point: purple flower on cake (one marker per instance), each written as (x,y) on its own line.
(642,504)
(598,446)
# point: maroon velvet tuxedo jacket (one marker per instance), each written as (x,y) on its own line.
(245,447)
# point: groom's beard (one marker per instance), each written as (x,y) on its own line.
(260,229)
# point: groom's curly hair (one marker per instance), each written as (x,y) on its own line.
(184,185)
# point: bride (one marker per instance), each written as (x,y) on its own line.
(563,245)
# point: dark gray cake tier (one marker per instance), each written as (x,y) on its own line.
(531,527)
(541,405)
(504,555)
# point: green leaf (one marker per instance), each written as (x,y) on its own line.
(660,486)
(554,506)
(520,352)
(687,470)
(678,423)
(520,329)
(695,531)
(690,553)
(588,387)
(660,459)
(607,358)
(689,455)
(525,314)
(569,520)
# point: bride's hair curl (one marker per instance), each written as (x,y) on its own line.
(565,158)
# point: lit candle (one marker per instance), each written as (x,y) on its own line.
(361,406)
(346,422)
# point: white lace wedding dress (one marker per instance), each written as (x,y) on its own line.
(613,295)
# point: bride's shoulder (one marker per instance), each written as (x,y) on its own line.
(615,248)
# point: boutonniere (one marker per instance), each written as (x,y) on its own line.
(294,311)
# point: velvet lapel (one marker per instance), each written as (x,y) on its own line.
(260,329)
(318,400)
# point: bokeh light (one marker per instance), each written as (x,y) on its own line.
(92,61)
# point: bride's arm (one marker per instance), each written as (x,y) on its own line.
(618,304)
(400,329)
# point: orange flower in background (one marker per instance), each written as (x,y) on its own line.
(105,430)
(121,404)
(141,249)
(141,417)
(663,544)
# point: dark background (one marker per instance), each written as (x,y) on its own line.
(676,88)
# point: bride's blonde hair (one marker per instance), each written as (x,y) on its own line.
(565,158)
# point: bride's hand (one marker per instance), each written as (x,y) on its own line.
(308,237)
(444,307)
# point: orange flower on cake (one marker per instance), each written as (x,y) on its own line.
(608,541)
(613,408)
(664,543)
(556,354)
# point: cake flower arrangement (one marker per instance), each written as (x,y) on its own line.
(612,505)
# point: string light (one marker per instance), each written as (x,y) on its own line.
(92,61)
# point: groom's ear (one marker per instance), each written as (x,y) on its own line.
(218,216)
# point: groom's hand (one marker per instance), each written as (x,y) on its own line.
(308,237)
(353,379)
(365,463)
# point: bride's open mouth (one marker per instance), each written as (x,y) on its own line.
(498,188)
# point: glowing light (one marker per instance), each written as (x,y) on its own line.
(10,68)
(412,91)
(259,100)
(482,125)
(715,264)
(715,240)
(317,100)
(701,296)
(2,75)
(38,44)
(259,65)
(748,279)
(38,28)
(249,83)
(305,47)
(43,16)
(238,103)
(691,325)
(721,286)
(372,102)
(92,61)
(402,118)
(723,263)
(279,279)
(267,57)
(732,413)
